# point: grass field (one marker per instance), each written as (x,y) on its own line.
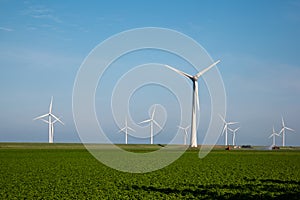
(68,171)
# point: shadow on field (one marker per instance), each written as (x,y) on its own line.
(252,189)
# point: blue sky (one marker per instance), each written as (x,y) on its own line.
(43,44)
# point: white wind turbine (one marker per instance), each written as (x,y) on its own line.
(185,132)
(52,128)
(195,103)
(283,131)
(50,123)
(233,134)
(273,135)
(152,122)
(225,129)
(125,130)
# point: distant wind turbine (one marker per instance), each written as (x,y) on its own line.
(225,129)
(52,128)
(273,135)
(283,131)
(152,122)
(125,130)
(50,115)
(233,135)
(185,132)
(195,103)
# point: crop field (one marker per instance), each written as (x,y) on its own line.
(43,171)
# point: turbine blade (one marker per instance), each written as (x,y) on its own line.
(45,121)
(42,116)
(180,72)
(281,130)
(282,121)
(222,118)
(206,69)
(126,121)
(57,118)
(157,124)
(130,129)
(271,136)
(289,129)
(153,113)
(223,131)
(145,121)
(230,123)
(50,107)
(121,130)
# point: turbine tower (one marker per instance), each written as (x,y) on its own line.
(225,129)
(185,132)
(125,130)
(152,122)
(195,102)
(50,123)
(52,128)
(233,134)
(283,131)
(273,135)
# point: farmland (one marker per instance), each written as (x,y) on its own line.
(43,171)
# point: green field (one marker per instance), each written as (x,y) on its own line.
(68,171)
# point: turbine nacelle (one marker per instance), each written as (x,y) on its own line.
(194,78)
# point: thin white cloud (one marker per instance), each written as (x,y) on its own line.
(42,12)
(6,29)
(47,16)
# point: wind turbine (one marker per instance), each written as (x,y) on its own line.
(50,115)
(195,102)
(52,128)
(233,134)
(185,132)
(225,129)
(125,130)
(283,131)
(274,134)
(152,122)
